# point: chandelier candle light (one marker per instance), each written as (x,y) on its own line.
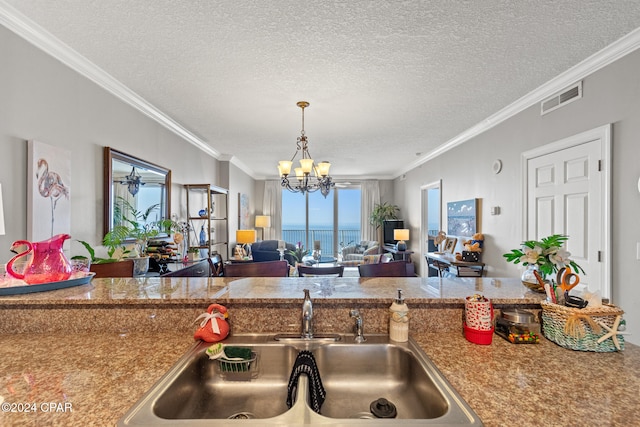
(305,181)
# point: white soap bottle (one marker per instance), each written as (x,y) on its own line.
(399,320)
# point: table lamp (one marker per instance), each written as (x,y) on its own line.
(401,234)
(244,238)
(263,221)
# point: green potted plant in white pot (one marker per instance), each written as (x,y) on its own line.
(380,213)
(193,254)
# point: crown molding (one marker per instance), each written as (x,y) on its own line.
(15,21)
(595,62)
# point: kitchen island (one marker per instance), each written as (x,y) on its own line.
(84,355)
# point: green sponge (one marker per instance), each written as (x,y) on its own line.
(234,359)
(239,352)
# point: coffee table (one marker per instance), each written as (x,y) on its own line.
(308,260)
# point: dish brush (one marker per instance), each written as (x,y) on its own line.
(215,351)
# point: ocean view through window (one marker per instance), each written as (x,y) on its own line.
(334,221)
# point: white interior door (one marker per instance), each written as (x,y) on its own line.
(567,193)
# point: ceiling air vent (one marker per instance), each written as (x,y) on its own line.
(561,99)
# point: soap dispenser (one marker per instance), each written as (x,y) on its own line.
(399,320)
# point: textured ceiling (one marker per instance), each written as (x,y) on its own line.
(388,81)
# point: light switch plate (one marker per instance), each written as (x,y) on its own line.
(638,251)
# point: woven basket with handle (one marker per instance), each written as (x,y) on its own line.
(580,329)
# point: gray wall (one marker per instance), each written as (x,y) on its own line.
(44,100)
(611,95)
(242,184)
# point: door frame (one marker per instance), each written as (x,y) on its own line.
(602,133)
(424,229)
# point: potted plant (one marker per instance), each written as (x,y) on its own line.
(135,225)
(542,258)
(116,265)
(193,254)
(131,224)
(299,252)
(380,213)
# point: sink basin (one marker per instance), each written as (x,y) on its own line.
(197,391)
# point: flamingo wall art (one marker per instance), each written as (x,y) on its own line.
(49,187)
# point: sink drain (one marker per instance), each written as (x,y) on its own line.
(242,416)
(363,416)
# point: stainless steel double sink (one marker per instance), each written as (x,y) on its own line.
(196,391)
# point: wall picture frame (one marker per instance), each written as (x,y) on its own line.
(243,212)
(450,245)
(462,220)
(48,191)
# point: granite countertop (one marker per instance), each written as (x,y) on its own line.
(91,375)
(100,376)
(190,290)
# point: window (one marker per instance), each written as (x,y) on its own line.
(333,221)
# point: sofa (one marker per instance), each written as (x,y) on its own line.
(354,254)
(267,250)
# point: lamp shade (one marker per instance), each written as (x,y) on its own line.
(245,236)
(306,165)
(284,167)
(263,221)
(401,234)
(323,168)
(1,213)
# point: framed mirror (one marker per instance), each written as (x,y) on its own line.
(130,180)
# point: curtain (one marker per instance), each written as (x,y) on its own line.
(370,198)
(272,206)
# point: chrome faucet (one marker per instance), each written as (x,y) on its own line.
(307,316)
(359,328)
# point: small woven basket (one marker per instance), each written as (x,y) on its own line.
(579,329)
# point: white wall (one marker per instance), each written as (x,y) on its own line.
(44,100)
(611,95)
(242,184)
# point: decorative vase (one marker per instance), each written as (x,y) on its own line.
(140,266)
(530,280)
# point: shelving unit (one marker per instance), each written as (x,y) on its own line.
(215,221)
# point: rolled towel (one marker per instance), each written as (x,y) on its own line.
(306,364)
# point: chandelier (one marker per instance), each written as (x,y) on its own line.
(133,181)
(309,177)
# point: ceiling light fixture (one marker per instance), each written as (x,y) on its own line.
(305,181)
(133,181)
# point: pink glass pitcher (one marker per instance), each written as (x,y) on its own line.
(47,263)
